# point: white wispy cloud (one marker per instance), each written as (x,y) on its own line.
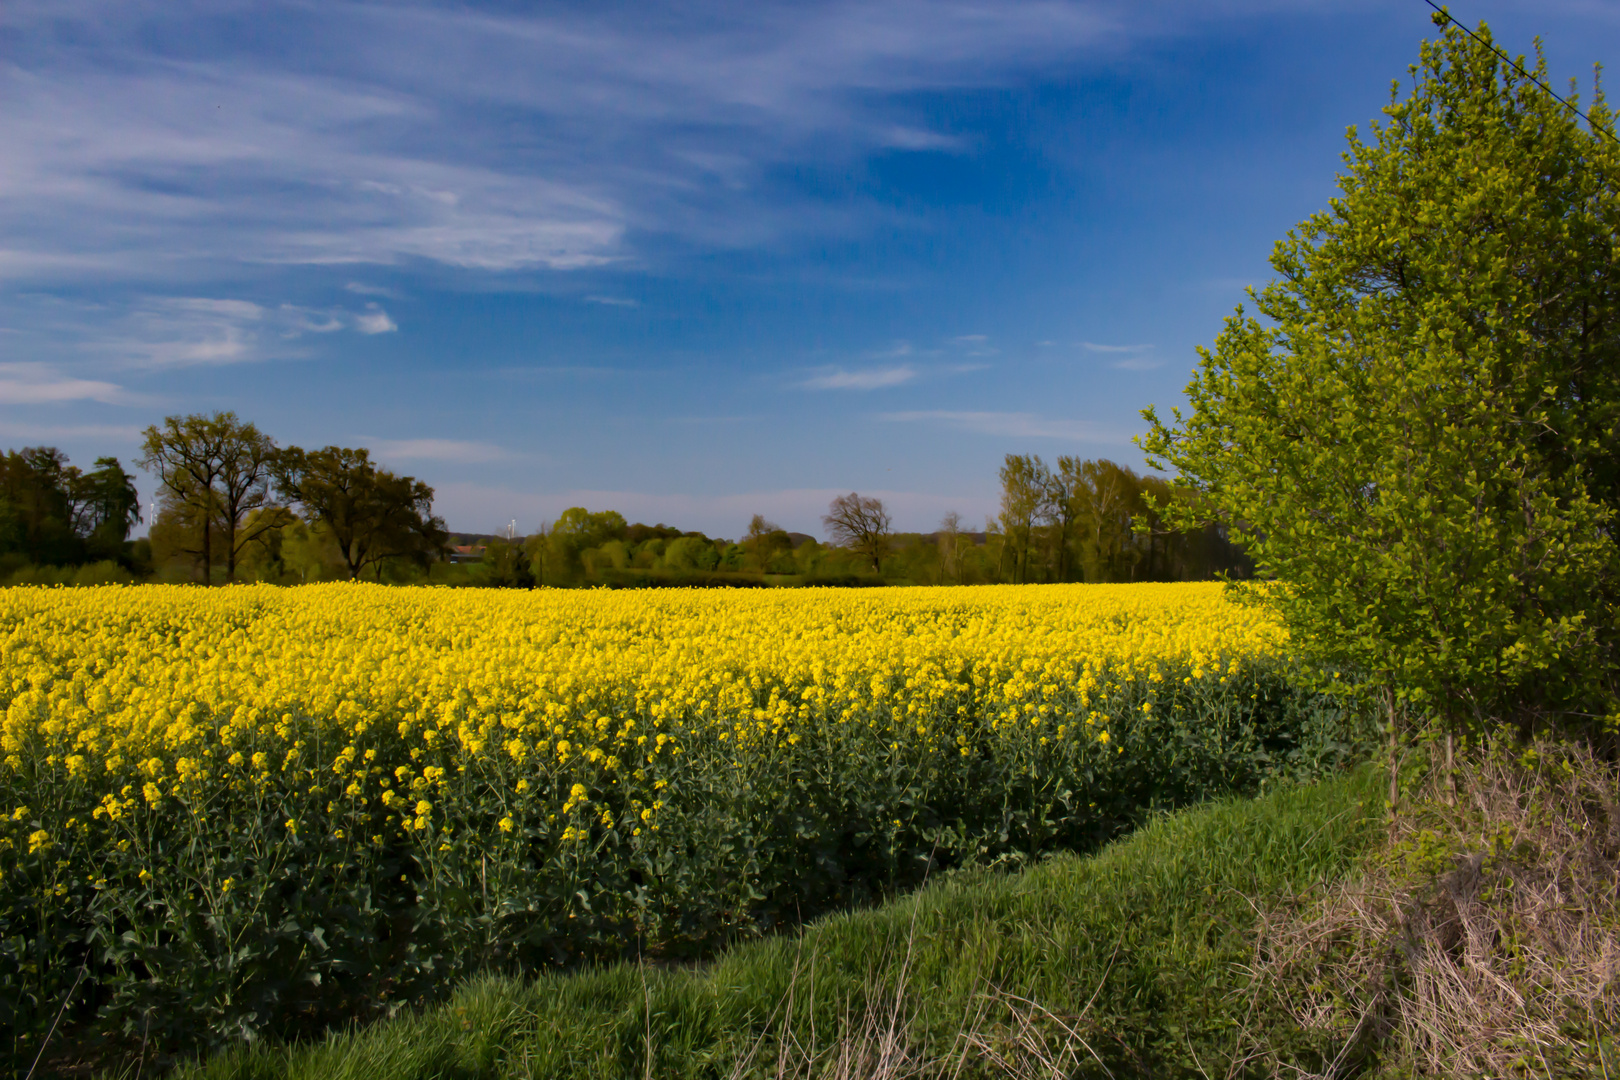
(166,332)
(910,138)
(374,321)
(132,153)
(1131,357)
(457,451)
(613,301)
(362,289)
(43,384)
(870,379)
(1142,362)
(1013,425)
(51,433)
(185,333)
(1092,346)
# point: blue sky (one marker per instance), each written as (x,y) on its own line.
(691,261)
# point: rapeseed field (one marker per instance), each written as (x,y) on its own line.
(232,809)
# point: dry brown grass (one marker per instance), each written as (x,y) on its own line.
(1002,1035)
(1485,941)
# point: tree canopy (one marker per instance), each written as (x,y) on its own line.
(1417,434)
(52,513)
(215,472)
(372,514)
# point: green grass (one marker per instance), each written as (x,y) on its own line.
(1146,943)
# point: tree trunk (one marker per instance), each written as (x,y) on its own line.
(1394,759)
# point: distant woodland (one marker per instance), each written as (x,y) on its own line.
(232,505)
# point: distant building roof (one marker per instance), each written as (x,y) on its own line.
(465,553)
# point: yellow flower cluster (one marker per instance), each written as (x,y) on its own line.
(151,693)
(527,778)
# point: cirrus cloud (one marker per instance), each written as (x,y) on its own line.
(1014,425)
(42,384)
(146,138)
(869,379)
(459,451)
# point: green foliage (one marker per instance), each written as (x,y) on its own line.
(1148,940)
(557,556)
(214,472)
(507,565)
(53,514)
(660,578)
(371,515)
(1100,521)
(690,553)
(1418,436)
(105,572)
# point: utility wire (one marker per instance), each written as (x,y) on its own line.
(1446,17)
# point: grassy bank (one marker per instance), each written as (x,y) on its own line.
(1130,960)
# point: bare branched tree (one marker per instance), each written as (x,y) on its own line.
(859,523)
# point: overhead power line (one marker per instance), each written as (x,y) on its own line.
(1447,17)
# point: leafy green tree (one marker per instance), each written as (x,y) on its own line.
(580,529)
(1060,510)
(690,553)
(1109,499)
(36,506)
(638,533)
(611,555)
(218,467)
(371,514)
(106,506)
(1025,481)
(1419,437)
(506,566)
(769,547)
(53,514)
(310,552)
(176,536)
(556,554)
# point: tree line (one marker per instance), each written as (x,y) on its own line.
(55,514)
(1101,521)
(230,499)
(234,505)
(231,504)
(1095,521)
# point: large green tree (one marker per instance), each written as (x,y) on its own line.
(106,507)
(370,513)
(1418,434)
(1025,484)
(215,470)
(54,513)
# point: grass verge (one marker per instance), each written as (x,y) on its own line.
(1132,961)
(1482,939)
